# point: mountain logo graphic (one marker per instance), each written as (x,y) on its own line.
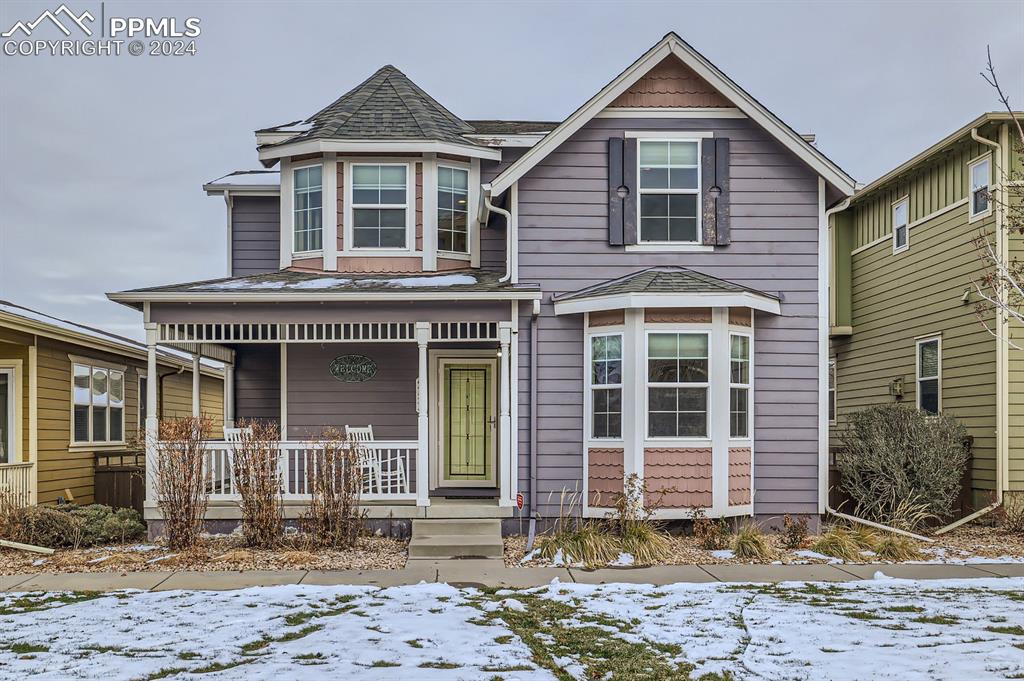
(54,18)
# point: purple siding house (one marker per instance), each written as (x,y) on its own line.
(522,308)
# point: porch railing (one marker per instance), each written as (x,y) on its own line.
(386,466)
(16,482)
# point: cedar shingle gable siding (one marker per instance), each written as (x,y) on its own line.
(671,84)
(563,246)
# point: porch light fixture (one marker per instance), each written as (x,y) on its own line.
(896,388)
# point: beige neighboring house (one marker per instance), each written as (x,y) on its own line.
(905,322)
(70,393)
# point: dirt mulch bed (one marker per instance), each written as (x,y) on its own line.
(214,554)
(971,543)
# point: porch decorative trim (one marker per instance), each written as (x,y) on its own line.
(189,334)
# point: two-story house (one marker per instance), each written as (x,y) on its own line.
(908,322)
(522,308)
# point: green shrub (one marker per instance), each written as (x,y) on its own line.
(73,526)
(902,466)
(104,525)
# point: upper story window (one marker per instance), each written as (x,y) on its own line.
(380,201)
(606,386)
(981,179)
(832,391)
(98,396)
(929,375)
(900,225)
(677,385)
(739,385)
(308,209)
(452,209)
(669,191)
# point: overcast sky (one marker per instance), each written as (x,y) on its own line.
(102,158)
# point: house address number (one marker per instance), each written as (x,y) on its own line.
(353,368)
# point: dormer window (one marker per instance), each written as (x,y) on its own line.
(452,209)
(308,222)
(380,201)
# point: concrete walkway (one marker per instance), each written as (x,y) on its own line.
(493,573)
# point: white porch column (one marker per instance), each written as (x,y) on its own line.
(634,369)
(196,392)
(229,395)
(284,391)
(719,349)
(505,416)
(152,424)
(423,418)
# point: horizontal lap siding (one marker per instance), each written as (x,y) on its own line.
(255,234)
(176,399)
(564,246)
(257,382)
(900,297)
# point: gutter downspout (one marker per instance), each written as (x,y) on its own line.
(1001,366)
(823,460)
(508,231)
(533,426)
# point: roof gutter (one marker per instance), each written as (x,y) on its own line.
(509,231)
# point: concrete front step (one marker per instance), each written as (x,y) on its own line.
(456,538)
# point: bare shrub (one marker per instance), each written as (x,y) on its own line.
(1011,514)
(181,485)
(335,481)
(639,534)
(794,532)
(258,481)
(901,466)
(712,535)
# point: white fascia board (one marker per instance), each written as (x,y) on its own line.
(214,189)
(297,297)
(622,301)
(378,147)
(744,102)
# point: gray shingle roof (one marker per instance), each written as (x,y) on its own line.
(387,105)
(665,279)
(495,127)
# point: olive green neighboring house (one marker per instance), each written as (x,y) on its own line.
(70,394)
(906,324)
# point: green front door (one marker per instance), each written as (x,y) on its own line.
(468,423)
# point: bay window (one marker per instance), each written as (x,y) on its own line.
(98,404)
(606,386)
(669,182)
(677,385)
(380,202)
(452,209)
(739,386)
(308,222)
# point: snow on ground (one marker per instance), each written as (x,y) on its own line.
(884,629)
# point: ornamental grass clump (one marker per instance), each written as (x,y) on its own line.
(838,542)
(632,521)
(573,539)
(181,480)
(901,466)
(257,478)
(750,543)
(897,548)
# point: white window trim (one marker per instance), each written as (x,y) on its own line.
(318,252)
(748,386)
(654,328)
(108,366)
(833,391)
(917,369)
(410,209)
(672,245)
(906,226)
(140,425)
(984,158)
(13,444)
(588,398)
(470,218)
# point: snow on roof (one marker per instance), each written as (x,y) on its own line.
(323,283)
(249,178)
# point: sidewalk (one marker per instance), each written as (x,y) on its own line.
(493,573)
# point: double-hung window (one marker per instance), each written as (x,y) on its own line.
(7,421)
(900,226)
(981,174)
(669,191)
(452,209)
(606,386)
(308,209)
(98,396)
(677,385)
(380,201)
(739,385)
(929,375)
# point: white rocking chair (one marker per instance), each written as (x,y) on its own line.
(369,459)
(235,434)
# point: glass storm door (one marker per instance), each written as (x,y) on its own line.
(468,424)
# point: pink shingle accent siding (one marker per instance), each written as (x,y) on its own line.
(605,476)
(678,477)
(671,84)
(739,476)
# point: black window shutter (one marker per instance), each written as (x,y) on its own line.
(615,201)
(715,180)
(632,188)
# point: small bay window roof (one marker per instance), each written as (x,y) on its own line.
(665,286)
